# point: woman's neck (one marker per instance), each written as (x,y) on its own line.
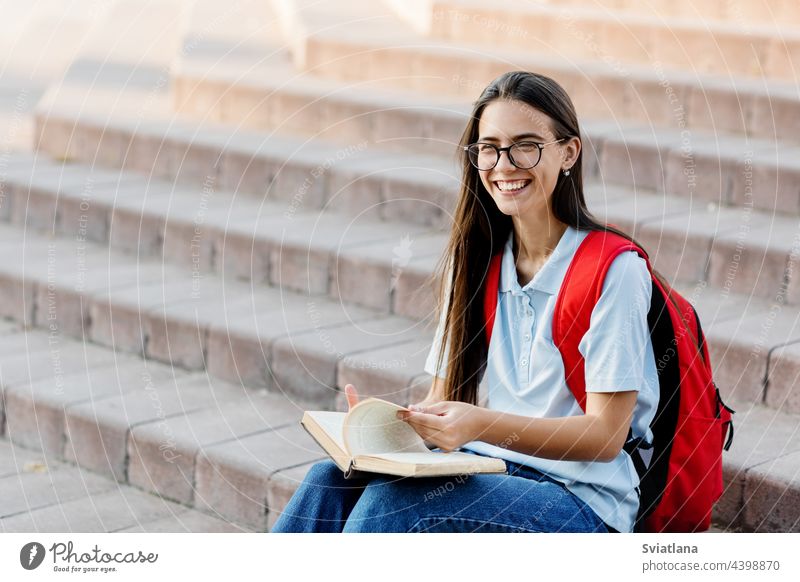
(534,241)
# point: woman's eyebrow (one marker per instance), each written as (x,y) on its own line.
(515,138)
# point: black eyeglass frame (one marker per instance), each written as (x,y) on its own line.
(507,149)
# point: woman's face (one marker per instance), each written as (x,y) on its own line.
(506,122)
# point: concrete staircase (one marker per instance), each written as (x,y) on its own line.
(216,237)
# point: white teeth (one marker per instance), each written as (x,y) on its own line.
(510,186)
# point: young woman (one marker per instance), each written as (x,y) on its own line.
(522,195)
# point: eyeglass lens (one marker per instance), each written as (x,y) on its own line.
(485,156)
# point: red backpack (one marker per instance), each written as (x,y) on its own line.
(680,472)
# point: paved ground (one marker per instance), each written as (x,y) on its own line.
(51,496)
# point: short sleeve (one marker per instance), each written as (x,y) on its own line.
(615,346)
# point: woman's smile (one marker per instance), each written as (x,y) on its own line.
(511,187)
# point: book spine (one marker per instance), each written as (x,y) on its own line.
(353,473)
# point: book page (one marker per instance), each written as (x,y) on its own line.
(428,464)
(429,458)
(332,423)
(372,427)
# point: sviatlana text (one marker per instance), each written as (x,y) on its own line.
(672,548)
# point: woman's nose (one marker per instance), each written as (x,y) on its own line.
(504,163)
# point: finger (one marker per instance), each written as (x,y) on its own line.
(432,437)
(430,408)
(435,439)
(427,434)
(351,394)
(423,419)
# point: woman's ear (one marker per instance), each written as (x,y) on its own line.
(572,150)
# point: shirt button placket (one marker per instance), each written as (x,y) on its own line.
(528,319)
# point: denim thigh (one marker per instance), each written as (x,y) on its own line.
(322,502)
(525,500)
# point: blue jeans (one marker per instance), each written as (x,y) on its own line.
(525,500)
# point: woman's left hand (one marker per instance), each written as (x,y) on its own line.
(448,424)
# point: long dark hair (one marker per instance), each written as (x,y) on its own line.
(480,230)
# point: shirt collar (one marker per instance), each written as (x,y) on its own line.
(548,278)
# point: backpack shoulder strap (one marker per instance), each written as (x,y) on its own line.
(580,291)
(490,295)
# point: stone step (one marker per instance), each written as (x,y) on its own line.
(47,495)
(772,13)
(154,366)
(380,265)
(270,338)
(721,168)
(132,35)
(162,429)
(58,382)
(651,95)
(200,317)
(241,38)
(124,57)
(38,41)
(303,174)
(202,443)
(279,98)
(747,248)
(300,19)
(760,472)
(710,164)
(210,28)
(587,32)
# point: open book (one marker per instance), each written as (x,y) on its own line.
(370,438)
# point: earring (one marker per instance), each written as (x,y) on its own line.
(566,172)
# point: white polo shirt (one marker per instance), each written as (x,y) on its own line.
(525,373)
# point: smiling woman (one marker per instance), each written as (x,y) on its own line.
(521,212)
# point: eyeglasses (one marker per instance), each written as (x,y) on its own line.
(524,155)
